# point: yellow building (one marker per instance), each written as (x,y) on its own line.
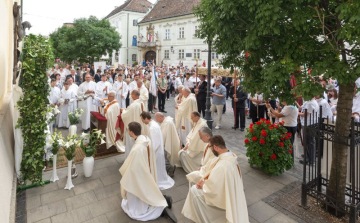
(7,169)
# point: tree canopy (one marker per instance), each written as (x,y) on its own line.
(85,40)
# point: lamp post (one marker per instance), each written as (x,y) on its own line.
(208,117)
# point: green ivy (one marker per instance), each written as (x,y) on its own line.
(37,56)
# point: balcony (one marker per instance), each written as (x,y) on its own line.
(147,44)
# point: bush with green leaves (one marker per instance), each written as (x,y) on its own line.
(269,147)
(37,56)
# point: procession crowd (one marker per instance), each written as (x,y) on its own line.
(127,96)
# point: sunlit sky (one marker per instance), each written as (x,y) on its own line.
(46,16)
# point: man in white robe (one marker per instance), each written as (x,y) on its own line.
(219,196)
(66,105)
(185,108)
(144,94)
(103,87)
(164,180)
(191,155)
(178,99)
(132,114)
(205,134)
(86,94)
(111,111)
(121,89)
(171,139)
(142,199)
(133,85)
(73,87)
(54,94)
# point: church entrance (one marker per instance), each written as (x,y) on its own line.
(150,56)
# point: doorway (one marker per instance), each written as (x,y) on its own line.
(150,56)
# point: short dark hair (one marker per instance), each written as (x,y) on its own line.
(98,70)
(218,140)
(135,127)
(196,114)
(68,77)
(52,80)
(145,115)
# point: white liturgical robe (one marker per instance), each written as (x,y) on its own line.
(144,96)
(86,103)
(74,88)
(164,180)
(132,114)
(184,122)
(191,158)
(122,90)
(171,140)
(111,112)
(222,198)
(142,199)
(100,93)
(65,109)
(54,95)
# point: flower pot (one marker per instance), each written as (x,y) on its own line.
(54,176)
(72,130)
(69,183)
(88,165)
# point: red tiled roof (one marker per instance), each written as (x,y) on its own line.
(170,8)
(133,6)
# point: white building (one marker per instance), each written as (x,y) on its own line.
(167,33)
(125,18)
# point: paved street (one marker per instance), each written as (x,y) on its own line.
(97,199)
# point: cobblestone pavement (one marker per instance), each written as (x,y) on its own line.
(97,199)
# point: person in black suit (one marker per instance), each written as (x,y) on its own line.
(97,76)
(240,100)
(74,76)
(226,81)
(200,90)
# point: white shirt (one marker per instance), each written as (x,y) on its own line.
(259,97)
(188,83)
(312,110)
(326,110)
(290,115)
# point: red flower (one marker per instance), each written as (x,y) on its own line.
(263,133)
(276,126)
(251,125)
(289,134)
(268,122)
(251,130)
(262,141)
(270,127)
(262,119)
(290,151)
(258,123)
(286,137)
(261,154)
(291,146)
(282,139)
(273,156)
(281,123)
(246,140)
(254,138)
(281,144)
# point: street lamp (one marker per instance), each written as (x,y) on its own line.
(172,49)
(208,117)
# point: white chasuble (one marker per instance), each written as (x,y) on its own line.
(171,141)
(86,102)
(112,111)
(100,93)
(65,108)
(184,122)
(164,180)
(74,88)
(142,199)
(191,158)
(132,114)
(122,90)
(144,96)
(54,95)
(222,198)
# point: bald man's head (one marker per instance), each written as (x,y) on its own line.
(159,117)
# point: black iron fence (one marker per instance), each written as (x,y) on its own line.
(320,143)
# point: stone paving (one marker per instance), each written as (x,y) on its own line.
(97,199)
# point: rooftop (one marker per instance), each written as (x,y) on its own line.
(164,9)
(141,6)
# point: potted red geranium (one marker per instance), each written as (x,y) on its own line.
(269,147)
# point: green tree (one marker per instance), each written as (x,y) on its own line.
(281,35)
(86,40)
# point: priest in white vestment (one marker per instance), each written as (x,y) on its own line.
(185,108)
(144,94)
(164,180)
(191,155)
(205,134)
(66,105)
(103,87)
(178,99)
(142,199)
(121,89)
(171,138)
(219,196)
(73,87)
(111,111)
(132,114)
(133,85)
(86,94)
(54,94)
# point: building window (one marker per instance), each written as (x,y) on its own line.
(167,54)
(181,54)
(134,22)
(167,33)
(181,33)
(214,56)
(133,57)
(196,53)
(196,30)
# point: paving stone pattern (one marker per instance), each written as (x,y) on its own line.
(97,199)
